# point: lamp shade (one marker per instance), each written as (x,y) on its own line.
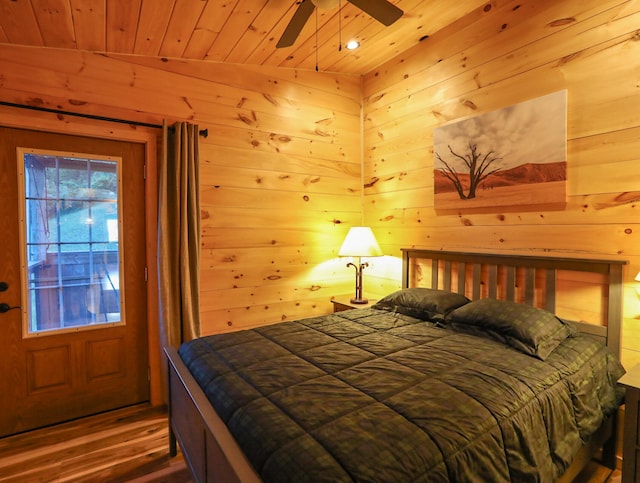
(637,279)
(360,242)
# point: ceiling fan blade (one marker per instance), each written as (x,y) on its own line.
(382,10)
(296,24)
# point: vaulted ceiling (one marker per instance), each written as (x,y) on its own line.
(233,31)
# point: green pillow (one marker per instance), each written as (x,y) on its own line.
(422,303)
(529,329)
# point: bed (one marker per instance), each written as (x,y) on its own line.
(465,374)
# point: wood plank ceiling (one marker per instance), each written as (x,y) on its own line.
(233,31)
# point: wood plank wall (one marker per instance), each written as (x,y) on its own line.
(496,57)
(281,167)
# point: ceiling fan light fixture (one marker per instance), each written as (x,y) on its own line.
(352,45)
(383,11)
(326,4)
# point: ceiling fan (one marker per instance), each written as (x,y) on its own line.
(382,10)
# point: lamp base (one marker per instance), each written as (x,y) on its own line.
(359,301)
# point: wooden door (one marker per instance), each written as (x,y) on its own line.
(54,376)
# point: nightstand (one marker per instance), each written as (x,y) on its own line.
(630,441)
(343,302)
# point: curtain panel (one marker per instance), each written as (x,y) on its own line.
(179,234)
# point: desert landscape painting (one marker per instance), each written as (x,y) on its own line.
(512,157)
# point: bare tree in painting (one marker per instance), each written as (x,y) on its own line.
(478,165)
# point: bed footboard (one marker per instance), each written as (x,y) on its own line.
(208,447)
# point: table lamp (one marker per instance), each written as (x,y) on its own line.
(360,242)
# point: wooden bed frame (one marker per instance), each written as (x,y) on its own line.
(213,455)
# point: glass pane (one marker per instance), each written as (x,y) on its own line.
(73,180)
(41,231)
(72,249)
(104,217)
(103,177)
(75,225)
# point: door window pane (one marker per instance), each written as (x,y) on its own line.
(71,230)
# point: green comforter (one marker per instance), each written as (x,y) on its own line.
(368,395)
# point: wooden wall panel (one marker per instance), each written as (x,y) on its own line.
(280,169)
(510,53)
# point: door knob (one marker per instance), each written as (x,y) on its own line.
(4,286)
(4,307)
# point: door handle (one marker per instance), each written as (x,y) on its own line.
(4,307)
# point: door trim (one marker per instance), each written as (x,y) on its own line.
(48,122)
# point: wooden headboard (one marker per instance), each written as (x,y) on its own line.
(587,293)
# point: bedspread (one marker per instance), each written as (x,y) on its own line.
(368,395)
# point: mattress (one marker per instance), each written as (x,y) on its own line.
(381,394)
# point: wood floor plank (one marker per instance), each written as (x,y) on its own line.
(127,445)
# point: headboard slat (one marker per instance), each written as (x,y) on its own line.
(510,289)
(462,277)
(530,285)
(550,286)
(434,273)
(492,271)
(446,280)
(477,280)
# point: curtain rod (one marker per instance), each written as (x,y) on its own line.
(203,132)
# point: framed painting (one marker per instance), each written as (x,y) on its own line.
(512,157)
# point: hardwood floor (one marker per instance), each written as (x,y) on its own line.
(130,444)
(127,445)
